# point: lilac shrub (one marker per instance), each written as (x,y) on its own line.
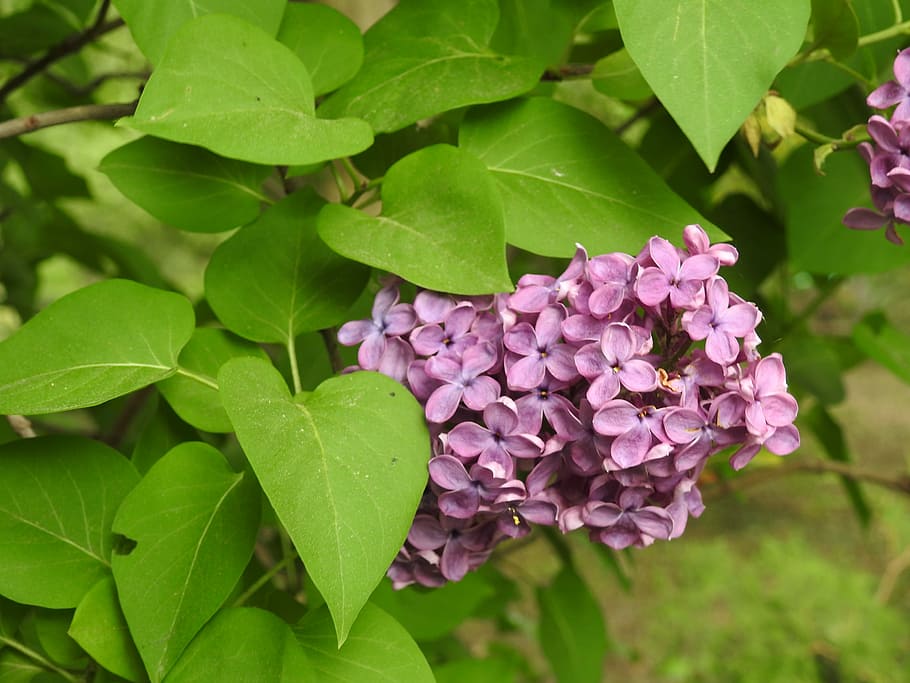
(582,401)
(888,156)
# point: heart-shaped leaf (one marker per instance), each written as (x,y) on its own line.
(378,649)
(344,468)
(440,228)
(244,644)
(99,342)
(58,496)
(276,278)
(710,61)
(565,179)
(187,187)
(226,85)
(153,23)
(327,42)
(426,57)
(193,521)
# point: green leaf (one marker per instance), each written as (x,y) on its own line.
(193,521)
(618,76)
(11,613)
(344,468)
(539,29)
(572,632)
(58,496)
(153,24)
(276,278)
(51,631)
(16,668)
(187,187)
(565,178)
(440,228)
(378,649)
(97,343)
(100,628)
(47,174)
(225,85)
(327,42)
(831,436)
(710,61)
(815,206)
(428,614)
(486,670)
(884,343)
(426,57)
(244,644)
(194,395)
(813,366)
(834,26)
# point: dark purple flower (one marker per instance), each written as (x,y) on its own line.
(545,400)
(698,435)
(464,492)
(630,522)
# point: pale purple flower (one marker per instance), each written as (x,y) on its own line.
(698,434)
(612,279)
(535,292)
(545,400)
(455,335)
(612,363)
(495,445)
(720,324)
(630,522)
(462,379)
(680,280)
(895,92)
(697,242)
(539,350)
(464,492)
(388,319)
(636,430)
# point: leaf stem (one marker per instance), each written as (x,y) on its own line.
(292,358)
(266,577)
(287,551)
(339,183)
(31,654)
(814,136)
(899,29)
(202,379)
(82,112)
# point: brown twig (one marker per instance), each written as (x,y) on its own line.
(331,346)
(82,112)
(565,71)
(121,425)
(66,47)
(21,425)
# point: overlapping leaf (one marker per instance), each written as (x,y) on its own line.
(187,187)
(378,649)
(193,521)
(226,85)
(440,228)
(344,468)
(565,178)
(152,24)
(711,61)
(58,496)
(276,278)
(99,342)
(426,57)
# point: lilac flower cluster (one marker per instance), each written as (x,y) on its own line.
(888,157)
(578,401)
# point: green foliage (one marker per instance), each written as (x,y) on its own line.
(226,85)
(344,468)
(60,495)
(171,577)
(173,377)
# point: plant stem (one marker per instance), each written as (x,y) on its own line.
(814,136)
(82,112)
(330,342)
(292,358)
(66,47)
(899,29)
(339,183)
(31,654)
(202,379)
(265,578)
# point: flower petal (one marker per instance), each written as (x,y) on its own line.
(443,403)
(449,473)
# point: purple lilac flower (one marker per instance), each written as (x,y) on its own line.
(583,401)
(897,91)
